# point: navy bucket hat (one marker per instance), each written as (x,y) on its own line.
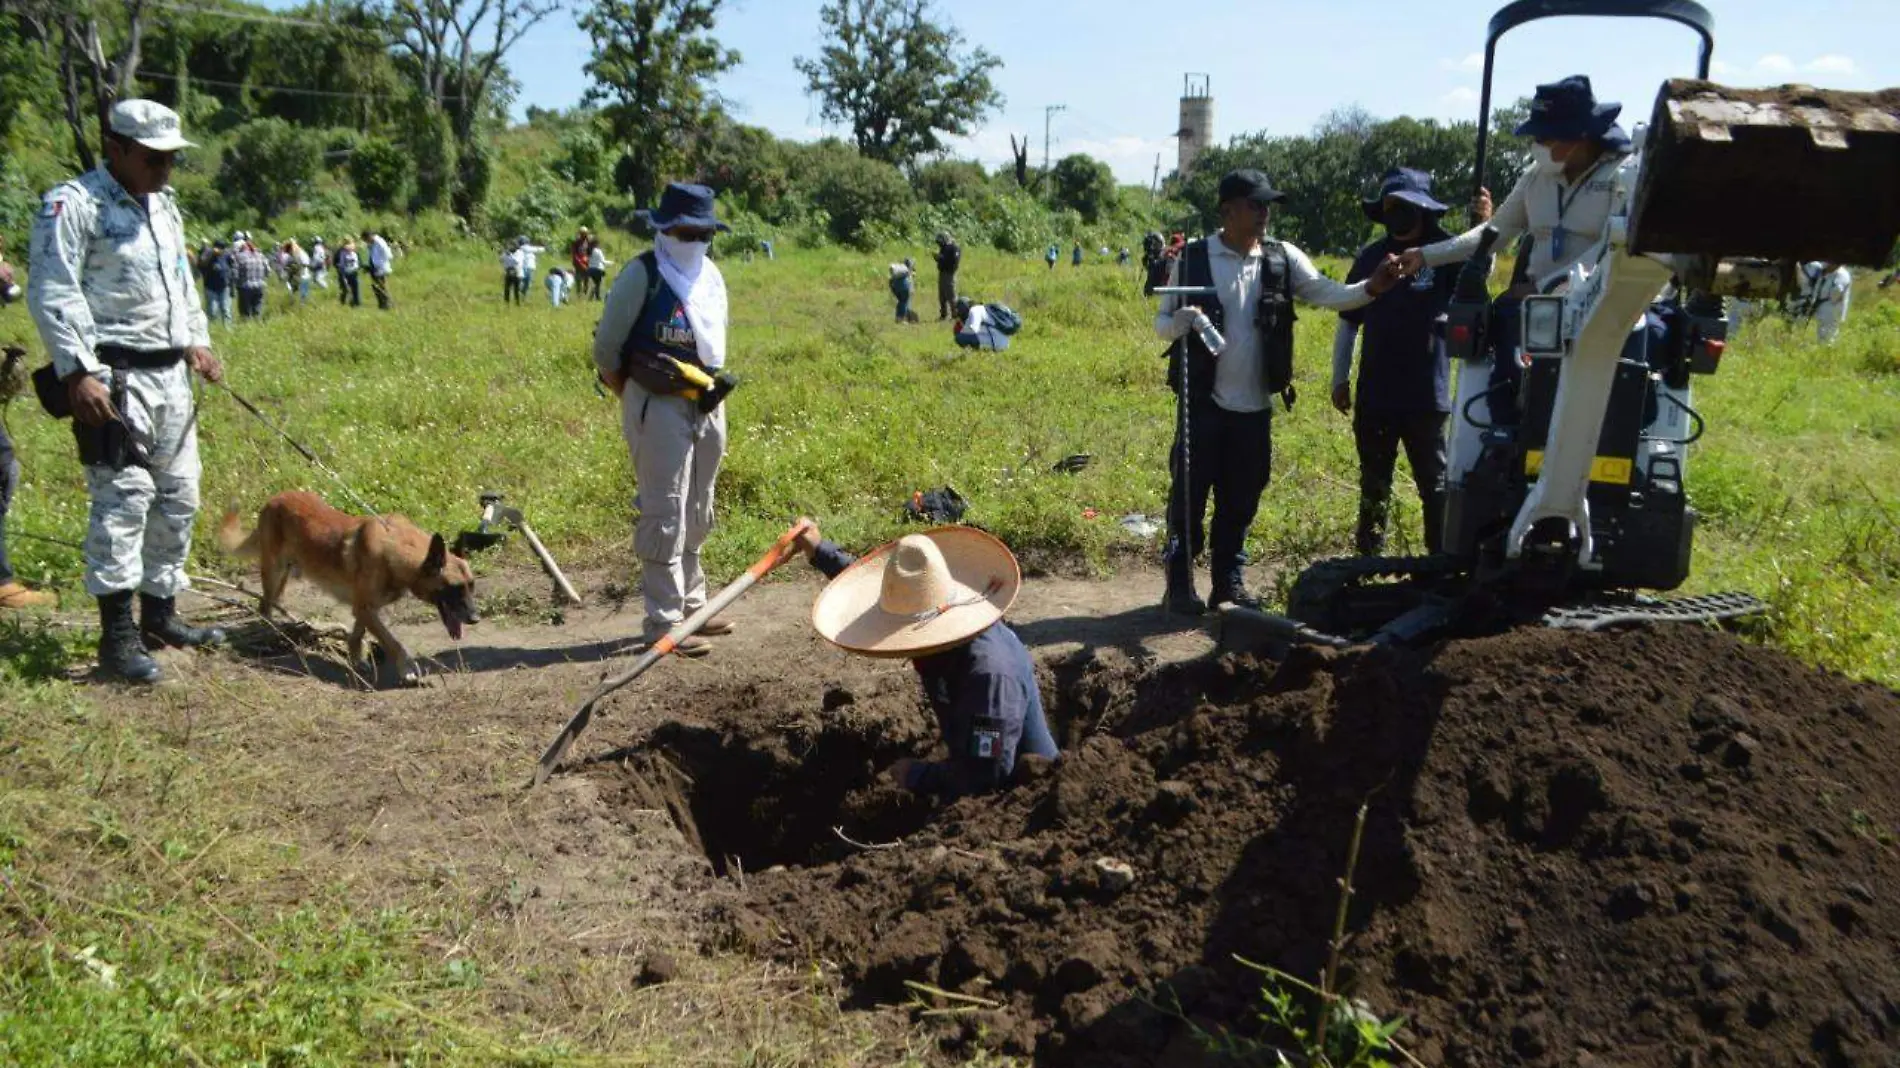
(1567,110)
(683,204)
(1249,184)
(1408,184)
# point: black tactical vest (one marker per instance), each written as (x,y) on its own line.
(1273,322)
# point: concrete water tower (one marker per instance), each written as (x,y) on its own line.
(1197,120)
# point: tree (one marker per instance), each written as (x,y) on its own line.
(651,63)
(898,78)
(858,193)
(453,50)
(270,164)
(1084,183)
(947,180)
(99,45)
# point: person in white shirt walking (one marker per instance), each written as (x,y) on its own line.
(528,252)
(381,263)
(597,264)
(1825,291)
(319,263)
(1224,433)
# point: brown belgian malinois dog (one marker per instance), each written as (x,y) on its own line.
(366,562)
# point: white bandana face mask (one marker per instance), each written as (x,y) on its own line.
(686,255)
(1540,158)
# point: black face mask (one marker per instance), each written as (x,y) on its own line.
(1401,219)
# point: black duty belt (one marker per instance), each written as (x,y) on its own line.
(120,358)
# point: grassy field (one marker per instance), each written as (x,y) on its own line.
(142,929)
(843,414)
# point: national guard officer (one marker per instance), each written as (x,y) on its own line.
(112,293)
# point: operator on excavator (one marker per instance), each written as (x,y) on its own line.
(1564,201)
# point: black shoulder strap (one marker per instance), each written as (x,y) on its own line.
(649,260)
(1195,268)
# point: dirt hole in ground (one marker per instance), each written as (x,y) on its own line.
(1649,849)
(765,779)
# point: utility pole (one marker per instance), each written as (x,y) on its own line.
(1048,113)
(1154,186)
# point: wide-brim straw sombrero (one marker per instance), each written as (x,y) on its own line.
(920,594)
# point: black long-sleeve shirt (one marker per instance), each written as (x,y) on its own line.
(990,677)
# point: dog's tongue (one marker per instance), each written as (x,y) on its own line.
(452,624)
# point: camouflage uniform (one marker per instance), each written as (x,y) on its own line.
(105,272)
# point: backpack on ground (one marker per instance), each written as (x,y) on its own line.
(1004,319)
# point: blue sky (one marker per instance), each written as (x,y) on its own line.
(1117,65)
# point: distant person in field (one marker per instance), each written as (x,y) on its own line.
(1154,263)
(1075,258)
(975,328)
(252,274)
(529,251)
(577,253)
(214,267)
(949,259)
(319,262)
(902,286)
(512,286)
(938,599)
(1224,437)
(1121,257)
(1825,290)
(557,283)
(349,265)
(381,265)
(1404,391)
(1053,255)
(668,307)
(297,270)
(597,264)
(767,246)
(10,290)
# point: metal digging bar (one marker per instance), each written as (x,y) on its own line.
(782,550)
(497,518)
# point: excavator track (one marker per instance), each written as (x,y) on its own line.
(1402,599)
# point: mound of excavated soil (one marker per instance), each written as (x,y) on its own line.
(1656,848)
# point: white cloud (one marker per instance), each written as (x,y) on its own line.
(1473,61)
(1724,69)
(1774,63)
(1843,66)
(1462,97)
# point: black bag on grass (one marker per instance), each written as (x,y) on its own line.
(944,505)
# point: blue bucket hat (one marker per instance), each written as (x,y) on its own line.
(1568,111)
(1408,184)
(683,204)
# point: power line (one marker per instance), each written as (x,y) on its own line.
(298,90)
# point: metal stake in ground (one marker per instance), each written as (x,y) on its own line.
(1178,537)
(782,550)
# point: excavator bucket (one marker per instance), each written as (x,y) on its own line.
(1786,173)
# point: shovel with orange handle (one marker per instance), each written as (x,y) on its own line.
(782,550)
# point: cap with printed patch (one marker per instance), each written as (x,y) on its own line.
(150,123)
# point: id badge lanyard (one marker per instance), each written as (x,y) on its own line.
(1557,233)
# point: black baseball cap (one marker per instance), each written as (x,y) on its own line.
(1252,185)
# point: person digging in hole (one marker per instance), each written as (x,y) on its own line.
(938,599)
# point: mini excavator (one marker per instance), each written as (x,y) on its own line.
(1576,514)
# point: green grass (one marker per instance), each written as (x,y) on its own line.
(843,414)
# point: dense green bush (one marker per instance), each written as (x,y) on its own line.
(855,192)
(382,173)
(269,164)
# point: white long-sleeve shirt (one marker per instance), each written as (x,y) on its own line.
(1237,379)
(527,256)
(379,256)
(1540,203)
(108,270)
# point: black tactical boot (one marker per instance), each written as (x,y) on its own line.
(1230,587)
(121,656)
(1369,538)
(1435,521)
(1180,599)
(159,623)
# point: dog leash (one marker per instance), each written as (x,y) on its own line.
(355,497)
